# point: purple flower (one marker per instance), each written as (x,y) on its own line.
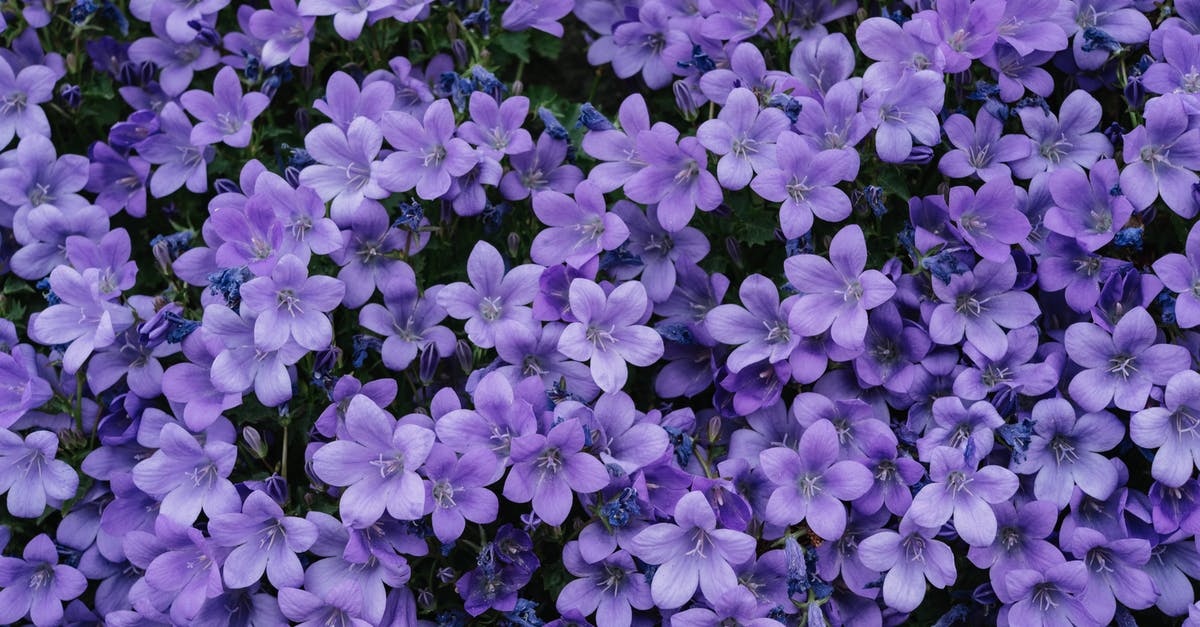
(811,483)
(540,169)
(22,387)
(457,490)
(179,161)
(956,425)
(344,101)
(989,219)
(36,585)
(899,49)
(836,294)
(609,587)
(349,16)
(187,476)
(1065,265)
(650,45)
(659,249)
(118,181)
(964,30)
(265,540)
(242,364)
(1065,451)
(804,182)
(345,170)
(22,91)
(549,469)
(1114,19)
(408,322)
(427,153)
(1049,597)
(691,552)
(736,606)
(607,331)
(1161,157)
(39,177)
(370,244)
(292,305)
(1020,543)
(494,298)
(960,491)
(759,327)
(745,136)
(980,304)
(376,461)
(1067,141)
(617,149)
(1116,572)
(904,110)
(1181,273)
(1122,368)
(225,114)
(285,31)
(31,475)
(980,148)
(342,606)
(910,557)
(544,15)
(676,177)
(497,126)
(1087,210)
(579,228)
(84,319)
(1172,428)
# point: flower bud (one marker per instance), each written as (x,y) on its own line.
(514,245)
(254,442)
(684,101)
(458,49)
(428,363)
(465,355)
(70,95)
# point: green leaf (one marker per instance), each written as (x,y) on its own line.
(516,44)
(547,45)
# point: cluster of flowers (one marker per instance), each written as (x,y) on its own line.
(284,414)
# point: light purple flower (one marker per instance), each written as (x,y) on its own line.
(540,169)
(36,585)
(981,303)
(376,462)
(494,297)
(960,491)
(989,219)
(650,45)
(285,31)
(904,111)
(1122,368)
(456,489)
(345,170)
(549,469)
(225,114)
(187,476)
(85,319)
(265,541)
(22,91)
(691,553)
(1161,158)
(31,475)
(980,148)
(611,587)
(676,177)
(349,16)
(758,327)
(811,484)
(289,304)
(1069,140)
(1049,597)
(837,293)
(408,322)
(1181,273)
(607,331)
(1172,429)
(497,126)
(578,230)
(909,557)
(744,135)
(242,365)
(427,153)
(1066,451)
(544,15)
(179,161)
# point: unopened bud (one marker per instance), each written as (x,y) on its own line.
(458,48)
(254,442)
(427,368)
(684,101)
(514,245)
(465,355)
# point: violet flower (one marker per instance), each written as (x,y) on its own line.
(607,331)
(611,587)
(408,322)
(904,111)
(1069,140)
(265,540)
(960,491)
(1050,596)
(84,319)
(179,161)
(540,169)
(345,170)
(225,114)
(1161,157)
(578,230)
(811,483)
(744,135)
(289,304)
(676,177)
(376,462)
(1122,368)
(36,585)
(1181,273)
(21,91)
(457,492)
(188,476)
(494,298)
(837,294)
(980,148)
(1089,208)
(804,182)
(1066,451)
(285,31)
(497,126)
(31,475)
(427,153)
(549,469)
(910,558)
(691,553)
(1171,428)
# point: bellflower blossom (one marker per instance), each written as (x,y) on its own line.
(36,585)
(31,475)
(607,332)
